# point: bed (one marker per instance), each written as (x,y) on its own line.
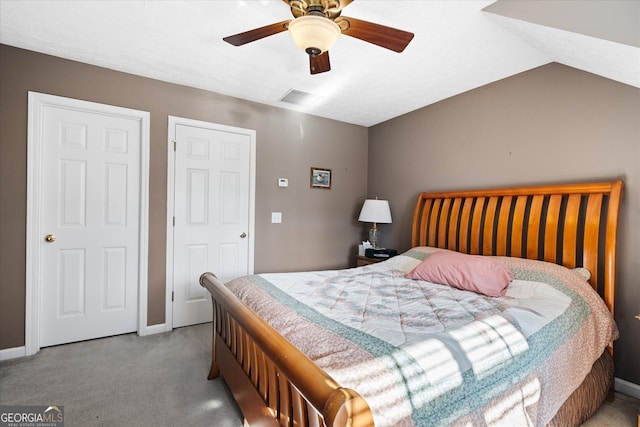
(360,358)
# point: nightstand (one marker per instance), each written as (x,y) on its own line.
(363,260)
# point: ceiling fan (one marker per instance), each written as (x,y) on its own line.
(316,26)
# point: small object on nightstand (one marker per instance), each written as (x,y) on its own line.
(374,255)
(380,253)
(363,247)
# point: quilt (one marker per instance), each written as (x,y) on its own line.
(426,354)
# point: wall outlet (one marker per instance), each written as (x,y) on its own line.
(276,217)
(283,182)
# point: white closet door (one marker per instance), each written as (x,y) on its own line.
(90,224)
(212,215)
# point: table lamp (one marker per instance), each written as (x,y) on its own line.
(375,211)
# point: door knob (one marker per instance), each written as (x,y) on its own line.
(50,238)
(243,235)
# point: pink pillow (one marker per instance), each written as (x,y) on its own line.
(475,273)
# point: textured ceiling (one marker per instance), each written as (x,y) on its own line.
(457,47)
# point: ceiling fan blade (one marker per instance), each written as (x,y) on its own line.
(320,63)
(387,37)
(256,34)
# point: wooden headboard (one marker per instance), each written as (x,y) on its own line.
(573,225)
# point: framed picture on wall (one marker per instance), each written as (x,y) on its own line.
(320,178)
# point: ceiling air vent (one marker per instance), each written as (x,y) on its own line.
(298,97)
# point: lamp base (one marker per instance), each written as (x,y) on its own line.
(374,236)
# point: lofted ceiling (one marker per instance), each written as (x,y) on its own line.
(458,46)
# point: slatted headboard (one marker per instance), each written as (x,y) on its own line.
(573,225)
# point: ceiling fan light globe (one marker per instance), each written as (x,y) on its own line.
(313,33)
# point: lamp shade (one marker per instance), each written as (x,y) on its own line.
(314,34)
(375,210)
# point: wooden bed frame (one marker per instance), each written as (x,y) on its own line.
(574,225)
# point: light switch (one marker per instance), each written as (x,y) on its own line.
(276,217)
(283,182)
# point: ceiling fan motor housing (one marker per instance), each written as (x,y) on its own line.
(328,8)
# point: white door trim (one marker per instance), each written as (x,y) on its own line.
(171,158)
(37,101)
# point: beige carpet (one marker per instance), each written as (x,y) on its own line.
(159,380)
(622,412)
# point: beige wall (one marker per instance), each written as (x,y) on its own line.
(319,228)
(553,124)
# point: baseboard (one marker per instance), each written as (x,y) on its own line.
(13,353)
(154,329)
(626,387)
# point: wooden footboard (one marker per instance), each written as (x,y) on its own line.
(273,383)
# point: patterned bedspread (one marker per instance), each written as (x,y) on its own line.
(426,354)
